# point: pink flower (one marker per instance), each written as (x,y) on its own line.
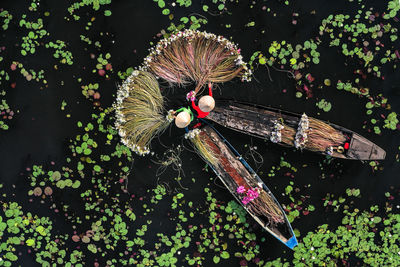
(252,193)
(246,200)
(240,189)
(191,96)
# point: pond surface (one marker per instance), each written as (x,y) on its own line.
(73,195)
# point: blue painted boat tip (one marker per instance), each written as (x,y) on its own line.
(292,242)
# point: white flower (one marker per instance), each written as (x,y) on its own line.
(239,60)
(170,115)
(192,134)
(329,150)
(301,134)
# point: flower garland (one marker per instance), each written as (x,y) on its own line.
(301,134)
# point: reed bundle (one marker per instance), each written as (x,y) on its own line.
(266,206)
(321,136)
(194,56)
(140,111)
(202,147)
(288,134)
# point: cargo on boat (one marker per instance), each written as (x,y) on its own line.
(296,130)
(239,178)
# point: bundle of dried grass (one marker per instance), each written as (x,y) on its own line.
(265,205)
(202,147)
(321,136)
(194,56)
(312,134)
(288,134)
(140,111)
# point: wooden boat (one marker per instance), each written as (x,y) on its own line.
(234,171)
(260,121)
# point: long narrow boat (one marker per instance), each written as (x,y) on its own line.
(262,122)
(234,171)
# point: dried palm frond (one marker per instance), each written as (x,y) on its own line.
(194,56)
(140,111)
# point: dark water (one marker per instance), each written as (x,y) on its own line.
(40,131)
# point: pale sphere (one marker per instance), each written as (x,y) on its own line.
(182,119)
(206,103)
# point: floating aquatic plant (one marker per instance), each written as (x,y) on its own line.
(324,105)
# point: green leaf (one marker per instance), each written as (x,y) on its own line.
(216,259)
(161,3)
(30,242)
(87,151)
(165,11)
(184,19)
(92,248)
(262,60)
(97,168)
(76,184)
(225,255)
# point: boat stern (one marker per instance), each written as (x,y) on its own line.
(363,149)
(292,242)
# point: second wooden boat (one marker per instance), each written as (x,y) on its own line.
(235,174)
(297,130)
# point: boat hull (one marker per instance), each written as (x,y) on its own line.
(258,121)
(233,171)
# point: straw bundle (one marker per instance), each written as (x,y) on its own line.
(194,56)
(140,111)
(202,147)
(322,136)
(265,205)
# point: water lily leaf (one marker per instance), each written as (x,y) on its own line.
(225,255)
(76,184)
(30,242)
